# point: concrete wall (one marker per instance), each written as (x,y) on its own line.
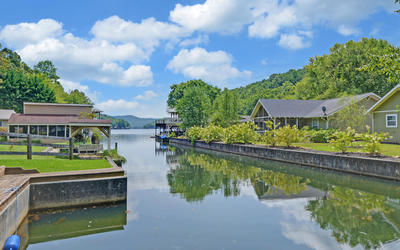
(60,194)
(8,219)
(77,192)
(386,169)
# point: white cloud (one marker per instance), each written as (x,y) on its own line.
(70,85)
(118,107)
(215,67)
(78,59)
(148,33)
(20,35)
(194,41)
(149,94)
(347,31)
(133,107)
(222,16)
(292,41)
(270,18)
(277,18)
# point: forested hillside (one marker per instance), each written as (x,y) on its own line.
(116,122)
(19,83)
(277,86)
(369,65)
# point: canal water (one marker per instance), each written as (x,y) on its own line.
(181,198)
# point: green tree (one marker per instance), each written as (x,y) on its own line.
(353,115)
(18,88)
(177,91)
(226,109)
(78,97)
(48,69)
(337,74)
(194,107)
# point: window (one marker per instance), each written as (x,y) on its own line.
(42,130)
(391,121)
(33,130)
(13,129)
(61,131)
(52,130)
(315,123)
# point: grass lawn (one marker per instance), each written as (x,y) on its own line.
(386,149)
(51,164)
(18,148)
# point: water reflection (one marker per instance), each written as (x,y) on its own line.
(354,217)
(70,223)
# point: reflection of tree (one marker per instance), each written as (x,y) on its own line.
(357,217)
(199,175)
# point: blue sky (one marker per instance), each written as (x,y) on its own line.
(126,54)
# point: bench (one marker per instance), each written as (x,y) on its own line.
(90,148)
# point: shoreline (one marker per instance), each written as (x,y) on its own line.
(383,168)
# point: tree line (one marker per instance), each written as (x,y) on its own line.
(355,67)
(19,83)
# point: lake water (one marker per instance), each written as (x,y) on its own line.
(181,198)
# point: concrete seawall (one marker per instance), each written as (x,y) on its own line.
(374,167)
(9,221)
(77,192)
(57,194)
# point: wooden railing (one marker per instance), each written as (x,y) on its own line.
(29,145)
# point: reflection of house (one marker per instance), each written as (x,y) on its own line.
(267,192)
(54,119)
(312,113)
(170,124)
(385,114)
(5,115)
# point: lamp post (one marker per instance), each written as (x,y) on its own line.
(326,117)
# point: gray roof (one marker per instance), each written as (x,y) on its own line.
(308,108)
(5,114)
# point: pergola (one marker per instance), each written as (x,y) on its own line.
(57,125)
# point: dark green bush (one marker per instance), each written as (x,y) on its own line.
(320,136)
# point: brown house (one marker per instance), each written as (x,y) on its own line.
(56,119)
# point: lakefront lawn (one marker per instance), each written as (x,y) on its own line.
(52,164)
(386,149)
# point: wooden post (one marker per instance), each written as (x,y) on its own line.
(71,148)
(29,148)
(109,140)
(116,147)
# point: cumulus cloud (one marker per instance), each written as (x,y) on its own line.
(194,41)
(213,66)
(80,59)
(148,33)
(22,34)
(149,94)
(118,107)
(293,41)
(132,106)
(222,16)
(70,85)
(270,18)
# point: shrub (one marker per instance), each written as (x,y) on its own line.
(212,133)
(372,141)
(288,135)
(194,133)
(320,136)
(269,137)
(172,135)
(341,140)
(241,133)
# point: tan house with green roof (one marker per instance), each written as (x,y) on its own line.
(385,114)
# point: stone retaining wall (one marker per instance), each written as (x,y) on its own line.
(381,168)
